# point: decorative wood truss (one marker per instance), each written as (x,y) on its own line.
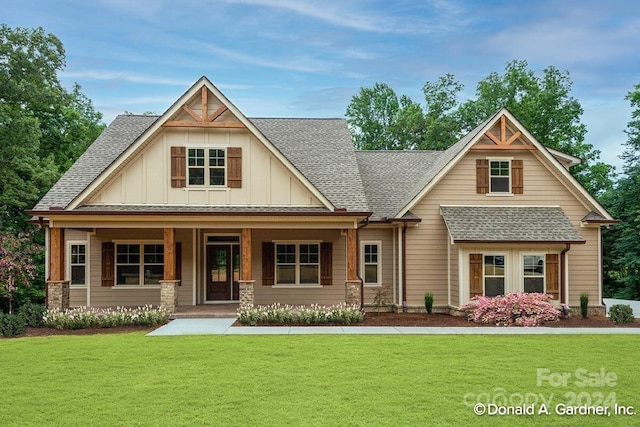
(503,143)
(205,120)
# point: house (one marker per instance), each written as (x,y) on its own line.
(204,205)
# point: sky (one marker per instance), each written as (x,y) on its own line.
(305,58)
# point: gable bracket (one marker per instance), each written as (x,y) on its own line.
(205,120)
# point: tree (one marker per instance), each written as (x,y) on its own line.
(622,242)
(442,126)
(16,264)
(370,115)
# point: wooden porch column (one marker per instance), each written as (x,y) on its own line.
(353,291)
(57,294)
(247,283)
(169,284)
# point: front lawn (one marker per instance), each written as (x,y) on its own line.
(130,379)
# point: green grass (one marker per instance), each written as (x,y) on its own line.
(130,379)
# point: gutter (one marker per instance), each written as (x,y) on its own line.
(404,268)
(562,272)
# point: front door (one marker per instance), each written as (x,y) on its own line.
(219,272)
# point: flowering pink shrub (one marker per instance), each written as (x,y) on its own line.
(16,264)
(521,309)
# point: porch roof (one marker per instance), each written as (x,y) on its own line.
(513,224)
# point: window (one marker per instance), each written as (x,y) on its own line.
(371,263)
(499,177)
(494,273)
(78,264)
(533,273)
(297,263)
(199,174)
(130,269)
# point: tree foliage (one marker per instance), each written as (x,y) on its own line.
(543,104)
(17,268)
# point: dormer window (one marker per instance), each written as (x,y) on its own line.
(499,176)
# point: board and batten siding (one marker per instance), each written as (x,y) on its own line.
(427,244)
(325,295)
(146,179)
(385,237)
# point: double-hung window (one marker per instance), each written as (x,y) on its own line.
(78,264)
(533,273)
(371,263)
(297,263)
(139,264)
(494,275)
(206,166)
(499,176)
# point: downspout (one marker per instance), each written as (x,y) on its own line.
(562,272)
(404,268)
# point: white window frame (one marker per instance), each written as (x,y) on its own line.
(509,191)
(69,264)
(207,167)
(363,263)
(504,276)
(544,270)
(297,283)
(141,264)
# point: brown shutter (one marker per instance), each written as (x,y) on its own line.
(108,249)
(268,263)
(552,275)
(482,176)
(326,263)
(179,261)
(178,167)
(517,181)
(234,167)
(475,275)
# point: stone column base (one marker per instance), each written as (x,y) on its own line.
(169,295)
(58,294)
(246,292)
(353,292)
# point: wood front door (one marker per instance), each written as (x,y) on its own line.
(219,273)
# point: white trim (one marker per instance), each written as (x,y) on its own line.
(449,272)
(599,265)
(289,286)
(400,262)
(394,261)
(509,191)
(377,243)
(506,273)
(521,255)
(156,127)
(194,264)
(572,160)
(135,287)
(67,263)
(141,263)
(297,244)
(207,168)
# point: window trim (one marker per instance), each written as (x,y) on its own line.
(543,255)
(504,276)
(68,263)
(377,243)
(140,243)
(509,192)
(207,168)
(297,283)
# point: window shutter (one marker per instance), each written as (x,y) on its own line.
(234,167)
(179,261)
(326,263)
(482,176)
(552,277)
(517,181)
(108,249)
(475,275)
(178,167)
(268,263)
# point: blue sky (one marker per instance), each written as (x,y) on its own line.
(299,58)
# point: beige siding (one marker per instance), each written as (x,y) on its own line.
(77,297)
(427,244)
(333,294)
(385,237)
(146,178)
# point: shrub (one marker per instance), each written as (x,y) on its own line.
(584,304)
(299,315)
(621,313)
(521,309)
(11,325)
(84,317)
(380,298)
(33,314)
(428,302)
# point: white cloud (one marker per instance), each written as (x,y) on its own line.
(124,76)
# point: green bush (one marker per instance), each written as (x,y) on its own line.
(84,317)
(621,313)
(584,304)
(33,314)
(299,315)
(11,325)
(428,302)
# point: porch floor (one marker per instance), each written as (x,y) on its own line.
(205,311)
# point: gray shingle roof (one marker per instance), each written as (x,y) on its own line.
(509,224)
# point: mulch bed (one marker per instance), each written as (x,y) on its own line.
(44,332)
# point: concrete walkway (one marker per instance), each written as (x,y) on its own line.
(223,327)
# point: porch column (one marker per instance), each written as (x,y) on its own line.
(247,283)
(169,284)
(57,294)
(353,285)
